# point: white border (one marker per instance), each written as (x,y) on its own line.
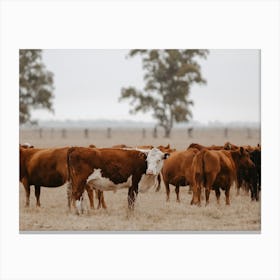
(85,24)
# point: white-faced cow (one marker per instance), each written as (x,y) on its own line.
(112,169)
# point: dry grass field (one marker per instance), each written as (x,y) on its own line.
(152,212)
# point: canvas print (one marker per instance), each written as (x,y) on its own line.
(139,140)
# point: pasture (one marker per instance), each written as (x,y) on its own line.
(152,212)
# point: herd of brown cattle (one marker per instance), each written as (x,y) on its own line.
(140,168)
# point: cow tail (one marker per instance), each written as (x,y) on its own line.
(70,176)
(201,178)
(70,171)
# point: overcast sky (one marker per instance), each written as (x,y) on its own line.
(88,85)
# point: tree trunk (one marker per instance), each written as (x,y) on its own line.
(169,125)
(167,131)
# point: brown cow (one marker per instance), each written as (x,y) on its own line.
(112,169)
(45,168)
(177,170)
(200,147)
(249,178)
(217,169)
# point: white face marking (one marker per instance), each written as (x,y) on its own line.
(154,161)
(146,182)
(96,180)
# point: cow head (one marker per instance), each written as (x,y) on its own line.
(245,159)
(166,149)
(26,146)
(155,161)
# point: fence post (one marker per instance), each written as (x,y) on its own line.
(249,135)
(155,132)
(40,132)
(109,132)
(86,133)
(144,133)
(226,132)
(190,131)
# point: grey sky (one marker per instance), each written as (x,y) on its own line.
(88,84)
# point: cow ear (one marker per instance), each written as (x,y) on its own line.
(168,146)
(142,155)
(227,146)
(166,155)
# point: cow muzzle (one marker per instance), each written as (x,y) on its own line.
(150,172)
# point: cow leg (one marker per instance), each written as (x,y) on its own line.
(239,183)
(69,194)
(131,198)
(159,181)
(101,201)
(167,189)
(199,195)
(196,191)
(177,190)
(257,193)
(78,198)
(98,196)
(90,196)
(254,185)
(247,187)
(227,195)
(27,192)
(104,206)
(218,194)
(210,178)
(37,194)
(207,195)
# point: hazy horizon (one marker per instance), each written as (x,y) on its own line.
(88,84)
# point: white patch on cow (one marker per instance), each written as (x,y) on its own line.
(146,182)
(27,145)
(83,203)
(79,205)
(96,180)
(154,161)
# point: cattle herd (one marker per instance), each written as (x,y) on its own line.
(140,168)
